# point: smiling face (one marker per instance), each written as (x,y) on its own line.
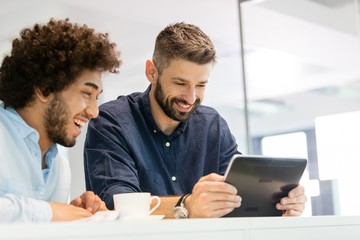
(70,109)
(180,88)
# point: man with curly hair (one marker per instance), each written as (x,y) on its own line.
(163,141)
(49,86)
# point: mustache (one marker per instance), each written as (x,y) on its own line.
(83,115)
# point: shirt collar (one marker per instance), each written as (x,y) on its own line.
(24,129)
(29,134)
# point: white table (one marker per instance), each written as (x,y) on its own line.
(290,228)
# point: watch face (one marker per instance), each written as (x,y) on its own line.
(180,212)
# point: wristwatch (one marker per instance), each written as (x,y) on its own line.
(180,211)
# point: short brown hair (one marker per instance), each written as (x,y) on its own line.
(183,41)
(50,57)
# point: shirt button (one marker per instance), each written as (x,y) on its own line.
(154,130)
(167,144)
(173,178)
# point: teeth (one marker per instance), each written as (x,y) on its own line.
(79,122)
(184,105)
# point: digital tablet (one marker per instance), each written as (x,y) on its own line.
(261,182)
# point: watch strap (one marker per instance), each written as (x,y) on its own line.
(181,200)
(180,211)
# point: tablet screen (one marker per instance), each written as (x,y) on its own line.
(262,181)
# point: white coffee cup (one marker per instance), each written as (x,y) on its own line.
(136,204)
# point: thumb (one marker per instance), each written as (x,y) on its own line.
(76,202)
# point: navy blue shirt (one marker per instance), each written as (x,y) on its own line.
(125,151)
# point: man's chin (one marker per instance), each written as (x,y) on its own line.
(181,117)
(68,144)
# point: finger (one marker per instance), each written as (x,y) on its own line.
(212,177)
(220,200)
(62,212)
(230,202)
(297,191)
(103,206)
(88,200)
(217,208)
(210,186)
(295,207)
(291,212)
(76,202)
(210,202)
(96,204)
(299,199)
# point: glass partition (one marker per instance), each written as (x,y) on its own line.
(302,69)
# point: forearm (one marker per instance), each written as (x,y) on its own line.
(19,209)
(166,206)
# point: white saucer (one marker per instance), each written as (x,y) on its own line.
(147,218)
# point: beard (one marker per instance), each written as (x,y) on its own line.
(166,104)
(57,118)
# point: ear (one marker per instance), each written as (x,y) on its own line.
(39,95)
(151,71)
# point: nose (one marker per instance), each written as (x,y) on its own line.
(190,95)
(92,110)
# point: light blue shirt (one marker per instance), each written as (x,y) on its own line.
(26,188)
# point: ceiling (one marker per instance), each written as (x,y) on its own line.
(297,53)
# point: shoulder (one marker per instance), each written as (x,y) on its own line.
(120,113)
(10,123)
(208,117)
(206,112)
(121,105)
(122,101)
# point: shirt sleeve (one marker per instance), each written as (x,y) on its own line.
(109,168)
(20,209)
(229,146)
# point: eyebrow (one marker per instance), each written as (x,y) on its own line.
(93,85)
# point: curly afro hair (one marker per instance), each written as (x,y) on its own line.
(50,57)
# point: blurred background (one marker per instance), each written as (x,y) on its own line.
(287,78)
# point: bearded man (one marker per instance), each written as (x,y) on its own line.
(164,142)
